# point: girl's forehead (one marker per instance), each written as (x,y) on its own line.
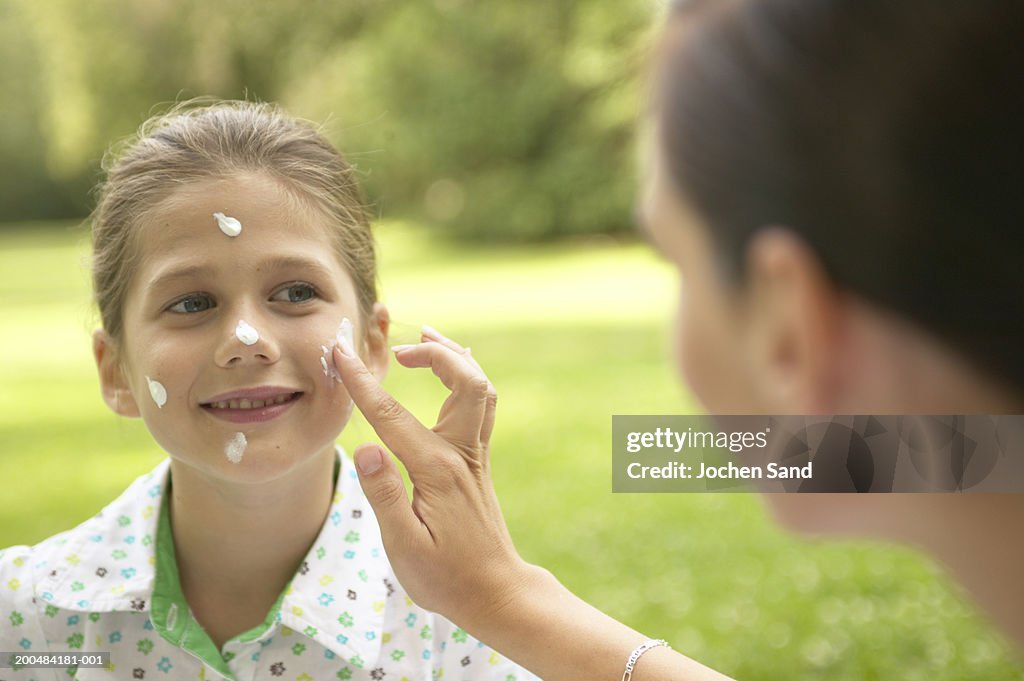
(195,213)
(183,233)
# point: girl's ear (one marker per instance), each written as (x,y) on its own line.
(378,355)
(117,392)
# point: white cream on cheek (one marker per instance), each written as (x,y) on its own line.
(345,330)
(157,391)
(228,225)
(236,447)
(245,333)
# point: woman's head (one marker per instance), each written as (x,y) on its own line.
(851,170)
(209,333)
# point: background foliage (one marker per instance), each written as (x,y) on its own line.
(491,119)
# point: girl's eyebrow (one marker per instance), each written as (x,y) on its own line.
(186,272)
(293,262)
(277,263)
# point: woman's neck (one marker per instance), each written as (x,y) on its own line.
(976,537)
(237,545)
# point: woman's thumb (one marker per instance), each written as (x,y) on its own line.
(382,485)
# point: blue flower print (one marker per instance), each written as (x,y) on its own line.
(164,665)
(326,599)
(25,643)
(73,620)
(410,619)
(350,554)
(115,637)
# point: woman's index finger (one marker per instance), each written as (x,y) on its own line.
(400,431)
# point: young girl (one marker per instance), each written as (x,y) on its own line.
(231,253)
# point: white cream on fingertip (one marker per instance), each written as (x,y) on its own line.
(246,333)
(157,391)
(236,448)
(228,225)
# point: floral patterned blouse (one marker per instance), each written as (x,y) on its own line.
(111,585)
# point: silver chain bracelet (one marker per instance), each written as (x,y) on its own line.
(638,651)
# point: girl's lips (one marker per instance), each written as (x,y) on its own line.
(238,409)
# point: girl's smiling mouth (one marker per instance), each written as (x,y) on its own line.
(251,405)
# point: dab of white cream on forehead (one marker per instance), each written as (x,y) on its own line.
(236,448)
(228,225)
(157,391)
(245,333)
(326,360)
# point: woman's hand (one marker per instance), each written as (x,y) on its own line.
(450,547)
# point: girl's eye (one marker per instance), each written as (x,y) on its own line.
(197,302)
(295,293)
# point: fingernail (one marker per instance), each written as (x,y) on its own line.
(369,460)
(399,348)
(344,338)
(431,331)
(345,345)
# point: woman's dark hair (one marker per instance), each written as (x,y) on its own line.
(889,134)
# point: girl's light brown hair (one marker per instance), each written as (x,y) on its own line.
(200,140)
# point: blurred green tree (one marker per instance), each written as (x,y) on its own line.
(487,119)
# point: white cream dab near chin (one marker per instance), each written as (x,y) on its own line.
(157,391)
(245,333)
(236,448)
(228,225)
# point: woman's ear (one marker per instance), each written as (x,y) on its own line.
(117,392)
(378,355)
(797,320)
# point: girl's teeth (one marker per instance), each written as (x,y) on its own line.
(250,404)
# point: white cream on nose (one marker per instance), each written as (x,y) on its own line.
(246,333)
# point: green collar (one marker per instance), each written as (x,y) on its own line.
(169,611)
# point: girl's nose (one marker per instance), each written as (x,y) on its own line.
(245,342)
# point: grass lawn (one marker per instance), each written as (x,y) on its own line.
(570,334)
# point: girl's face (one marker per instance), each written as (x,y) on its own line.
(192,286)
